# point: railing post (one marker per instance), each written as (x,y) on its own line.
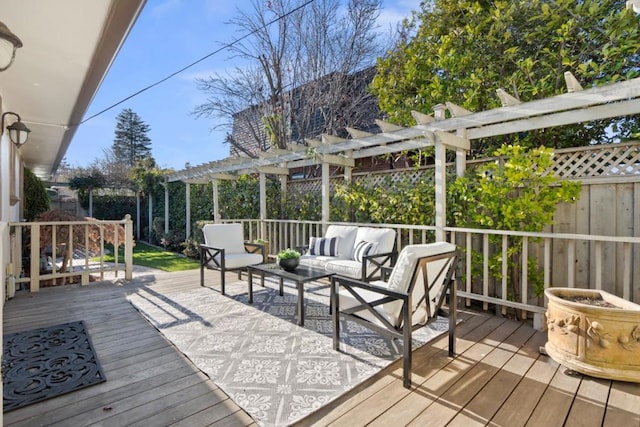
(34,279)
(128,247)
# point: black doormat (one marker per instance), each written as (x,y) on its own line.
(47,362)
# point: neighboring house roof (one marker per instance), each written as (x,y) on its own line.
(68,47)
(358,109)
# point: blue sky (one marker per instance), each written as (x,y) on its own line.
(168,35)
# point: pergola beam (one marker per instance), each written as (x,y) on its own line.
(272,170)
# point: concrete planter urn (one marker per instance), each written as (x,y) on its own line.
(594,333)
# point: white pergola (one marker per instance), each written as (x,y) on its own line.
(454,133)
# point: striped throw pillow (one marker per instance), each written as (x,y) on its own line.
(363,249)
(327,246)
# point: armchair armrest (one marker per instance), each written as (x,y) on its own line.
(385,273)
(355,283)
(386,295)
(254,248)
(302,249)
(378,261)
(208,253)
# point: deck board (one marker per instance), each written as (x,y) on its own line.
(497,378)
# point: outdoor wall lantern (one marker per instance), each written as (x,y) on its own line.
(9,42)
(18,131)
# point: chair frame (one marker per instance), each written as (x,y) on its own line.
(398,330)
(208,254)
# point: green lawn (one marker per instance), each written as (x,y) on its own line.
(150,256)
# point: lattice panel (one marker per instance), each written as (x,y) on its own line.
(616,160)
(610,161)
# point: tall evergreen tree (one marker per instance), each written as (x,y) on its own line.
(131,143)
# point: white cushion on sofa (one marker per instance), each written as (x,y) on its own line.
(345,267)
(347,238)
(385,237)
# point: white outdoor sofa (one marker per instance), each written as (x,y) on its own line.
(352,251)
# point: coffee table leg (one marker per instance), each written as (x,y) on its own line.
(250,286)
(281,286)
(300,303)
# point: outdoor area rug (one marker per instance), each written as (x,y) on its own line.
(275,370)
(47,362)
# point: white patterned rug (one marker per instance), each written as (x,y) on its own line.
(275,370)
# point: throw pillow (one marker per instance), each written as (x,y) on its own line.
(327,246)
(363,249)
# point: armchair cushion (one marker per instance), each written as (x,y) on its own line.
(229,237)
(400,277)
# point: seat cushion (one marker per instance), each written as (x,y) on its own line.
(344,267)
(229,237)
(239,260)
(318,261)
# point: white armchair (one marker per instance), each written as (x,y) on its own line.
(410,298)
(224,249)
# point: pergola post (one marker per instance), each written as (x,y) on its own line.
(283,187)
(441,190)
(90,202)
(325,195)
(137,215)
(348,170)
(263,205)
(150,219)
(188,210)
(216,202)
(461,155)
(166,208)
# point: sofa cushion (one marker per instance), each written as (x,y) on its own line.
(318,261)
(327,246)
(345,267)
(363,249)
(386,238)
(347,234)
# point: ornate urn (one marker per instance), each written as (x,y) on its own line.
(594,333)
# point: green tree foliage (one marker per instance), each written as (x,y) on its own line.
(85,181)
(36,198)
(240,198)
(463,51)
(146,176)
(513,193)
(131,143)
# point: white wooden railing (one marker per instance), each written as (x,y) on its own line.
(610,263)
(70,241)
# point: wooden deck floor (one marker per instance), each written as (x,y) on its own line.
(498,377)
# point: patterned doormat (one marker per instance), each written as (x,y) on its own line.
(47,362)
(274,369)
